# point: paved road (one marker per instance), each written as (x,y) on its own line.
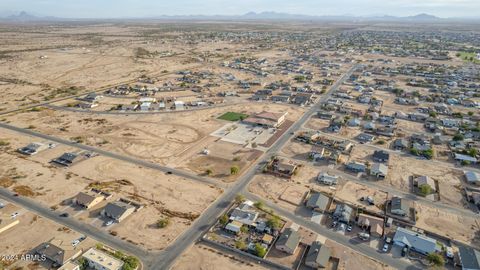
(74,224)
(353,243)
(395,152)
(125,158)
(206,220)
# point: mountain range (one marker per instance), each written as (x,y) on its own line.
(268,15)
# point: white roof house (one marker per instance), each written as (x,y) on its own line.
(472,177)
(179,105)
(100,260)
(145,106)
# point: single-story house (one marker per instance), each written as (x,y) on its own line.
(381,156)
(399,206)
(118,210)
(32,148)
(99,260)
(374,225)
(318,202)
(343,213)
(318,255)
(425,180)
(469,258)
(379,170)
(356,167)
(327,179)
(364,137)
(234,227)
(400,144)
(245,214)
(67,159)
(288,241)
(472,177)
(415,241)
(88,199)
(57,252)
(466,158)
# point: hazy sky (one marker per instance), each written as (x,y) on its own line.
(142,8)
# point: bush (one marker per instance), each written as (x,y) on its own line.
(224,220)
(234,170)
(208,172)
(436,259)
(259,205)
(274,222)
(239,198)
(240,245)
(130,263)
(425,190)
(458,137)
(162,223)
(260,251)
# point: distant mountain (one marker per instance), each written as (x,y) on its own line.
(23,16)
(250,16)
(423,17)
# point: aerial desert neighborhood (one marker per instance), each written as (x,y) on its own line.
(207,139)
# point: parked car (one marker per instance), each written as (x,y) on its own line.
(334,224)
(109,222)
(385,248)
(449,252)
(364,236)
(349,228)
(14,215)
(65,215)
(75,242)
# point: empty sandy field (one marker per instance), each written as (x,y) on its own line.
(458,227)
(449,180)
(204,257)
(160,137)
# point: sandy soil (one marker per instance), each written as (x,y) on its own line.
(350,259)
(449,180)
(456,227)
(204,257)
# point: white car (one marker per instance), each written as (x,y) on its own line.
(75,242)
(385,248)
(14,215)
(449,253)
(108,223)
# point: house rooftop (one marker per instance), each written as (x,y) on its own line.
(318,254)
(289,238)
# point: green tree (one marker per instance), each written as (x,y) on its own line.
(259,205)
(433,114)
(244,229)
(239,198)
(209,172)
(274,222)
(82,263)
(458,137)
(240,245)
(224,220)
(234,170)
(428,153)
(436,259)
(473,152)
(260,251)
(425,189)
(130,263)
